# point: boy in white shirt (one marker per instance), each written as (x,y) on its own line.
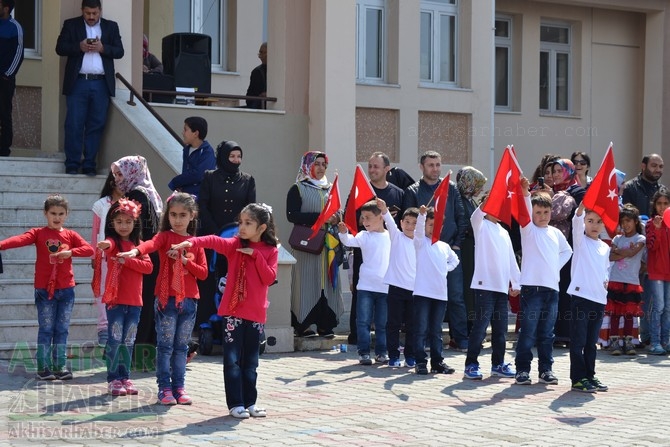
(375,245)
(588,288)
(400,279)
(433,262)
(495,269)
(545,251)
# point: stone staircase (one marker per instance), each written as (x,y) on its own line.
(25,182)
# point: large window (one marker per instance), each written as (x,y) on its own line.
(370,40)
(503,68)
(555,83)
(29,14)
(438,41)
(204,17)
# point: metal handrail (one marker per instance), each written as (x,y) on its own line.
(208,95)
(135,94)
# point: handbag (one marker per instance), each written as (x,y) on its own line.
(298,239)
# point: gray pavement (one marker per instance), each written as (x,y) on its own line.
(326,398)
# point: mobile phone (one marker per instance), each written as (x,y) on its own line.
(540,182)
(91,41)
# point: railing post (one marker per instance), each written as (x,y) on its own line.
(130,100)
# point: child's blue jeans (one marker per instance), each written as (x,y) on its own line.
(121,331)
(371,305)
(241,342)
(53,317)
(174,327)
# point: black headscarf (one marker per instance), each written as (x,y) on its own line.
(223,151)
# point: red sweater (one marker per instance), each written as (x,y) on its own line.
(261,272)
(658,251)
(48,241)
(195,268)
(131,273)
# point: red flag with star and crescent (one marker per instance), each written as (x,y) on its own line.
(602,196)
(332,206)
(441,196)
(361,192)
(506,198)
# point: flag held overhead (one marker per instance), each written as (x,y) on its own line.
(602,196)
(506,198)
(361,192)
(440,198)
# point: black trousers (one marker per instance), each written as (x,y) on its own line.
(7,88)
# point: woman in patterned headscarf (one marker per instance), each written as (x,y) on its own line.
(133,179)
(470,182)
(316,299)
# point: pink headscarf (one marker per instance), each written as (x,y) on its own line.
(569,174)
(306,171)
(136,176)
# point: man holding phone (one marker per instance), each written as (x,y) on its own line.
(90,44)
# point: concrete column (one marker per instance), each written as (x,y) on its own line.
(129,14)
(332,83)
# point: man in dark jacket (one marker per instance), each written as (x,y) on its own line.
(90,44)
(258,83)
(453,231)
(641,189)
(11,57)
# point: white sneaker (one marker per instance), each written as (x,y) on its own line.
(239,413)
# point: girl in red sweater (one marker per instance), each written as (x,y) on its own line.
(123,291)
(54,284)
(252,268)
(176,294)
(658,271)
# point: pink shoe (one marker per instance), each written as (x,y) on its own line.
(129,386)
(116,388)
(165,397)
(182,397)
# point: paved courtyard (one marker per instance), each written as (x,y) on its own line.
(325,398)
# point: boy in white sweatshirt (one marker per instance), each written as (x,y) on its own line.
(375,245)
(400,279)
(588,286)
(495,270)
(545,251)
(433,262)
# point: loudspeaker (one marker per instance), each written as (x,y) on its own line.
(188,57)
(156,81)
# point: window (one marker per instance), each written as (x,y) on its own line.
(503,68)
(204,17)
(438,44)
(555,83)
(29,15)
(370,40)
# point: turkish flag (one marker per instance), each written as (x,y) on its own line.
(333,204)
(602,196)
(506,198)
(361,192)
(440,196)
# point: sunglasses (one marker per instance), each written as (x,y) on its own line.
(580,162)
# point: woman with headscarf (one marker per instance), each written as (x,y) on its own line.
(316,299)
(223,193)
(470,182)
(568,194)
(133,179)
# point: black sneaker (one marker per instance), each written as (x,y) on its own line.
(599,386)
(522,378)
(63,374)
(584,386)
(549,378)
(421,369)
(45,374)
(442,368)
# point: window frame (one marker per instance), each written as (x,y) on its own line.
(197,24)
(436,11)
(362,7)
(36,52)
(554,49)
(507,43)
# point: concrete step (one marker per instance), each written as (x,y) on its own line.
(37,196)
(16,288)
(25,268)
(17,331)
(13,309)
(30,215)
(13,165)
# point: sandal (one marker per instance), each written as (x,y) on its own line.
(256,412)
(239,413)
